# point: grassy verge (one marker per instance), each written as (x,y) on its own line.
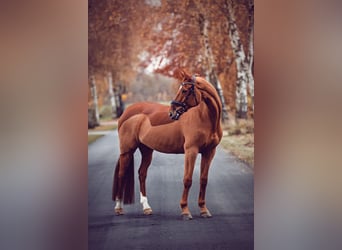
(239,140)
(92,138)
(242,146)
(106,119)
(104,128)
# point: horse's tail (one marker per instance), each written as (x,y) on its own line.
(128,185)
(115,188)
(127,182)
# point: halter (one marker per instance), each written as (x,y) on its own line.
(183,105)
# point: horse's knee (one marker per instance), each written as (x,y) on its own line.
(203,181)
(187,182)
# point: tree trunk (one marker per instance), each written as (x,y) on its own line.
(240,59)
(111,94)
(250,57)
(94,94)
(250,69)
(210,70)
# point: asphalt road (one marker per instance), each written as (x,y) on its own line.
(229,198)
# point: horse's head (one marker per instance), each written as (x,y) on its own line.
(187,97)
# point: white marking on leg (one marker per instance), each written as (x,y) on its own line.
(144,202)
(119,204)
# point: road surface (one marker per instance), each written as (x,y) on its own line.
(229,198)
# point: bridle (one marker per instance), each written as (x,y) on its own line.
(184,105)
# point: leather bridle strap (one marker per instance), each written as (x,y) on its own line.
(192,92)
(182,104)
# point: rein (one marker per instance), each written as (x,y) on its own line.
(184,105)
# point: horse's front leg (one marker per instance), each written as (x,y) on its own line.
(207,157)
(190,158)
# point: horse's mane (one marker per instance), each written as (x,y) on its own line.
(209,94)
(212,99)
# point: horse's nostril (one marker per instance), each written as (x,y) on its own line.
(170,113)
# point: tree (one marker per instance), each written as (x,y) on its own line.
(211,65)
(240,58)
(211,38)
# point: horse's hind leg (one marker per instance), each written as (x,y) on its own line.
(125,161)
(146,158)
(123,187)
(207,157)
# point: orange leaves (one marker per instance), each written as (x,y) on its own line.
(170,34)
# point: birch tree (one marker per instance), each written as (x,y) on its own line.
(240,58)
(250,57)
(210,63)
(212,38)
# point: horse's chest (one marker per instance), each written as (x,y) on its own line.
(204,139)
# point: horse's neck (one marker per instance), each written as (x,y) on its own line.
(214,111)
(212,101)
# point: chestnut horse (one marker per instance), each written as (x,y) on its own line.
(191,125)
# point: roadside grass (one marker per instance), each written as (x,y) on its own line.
(240,126)
(92,138)
(239,140)
(106,113)
(241,146)
(106,119)
(104,127)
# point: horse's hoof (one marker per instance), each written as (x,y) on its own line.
(206,214)
(148,211)
(119,211)
(186,217)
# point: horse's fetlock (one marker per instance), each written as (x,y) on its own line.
(183,204)
(201,203)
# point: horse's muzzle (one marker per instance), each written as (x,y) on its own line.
(174,115)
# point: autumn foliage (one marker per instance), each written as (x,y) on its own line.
(129,38)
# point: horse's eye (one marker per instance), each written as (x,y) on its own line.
(184,91)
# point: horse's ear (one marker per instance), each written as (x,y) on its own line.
(182,75)
(179,74)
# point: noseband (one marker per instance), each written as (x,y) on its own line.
(184,105)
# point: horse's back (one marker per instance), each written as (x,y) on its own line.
(149,123)
(156,112)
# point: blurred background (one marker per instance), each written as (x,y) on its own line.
(45,98)
(135,47)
